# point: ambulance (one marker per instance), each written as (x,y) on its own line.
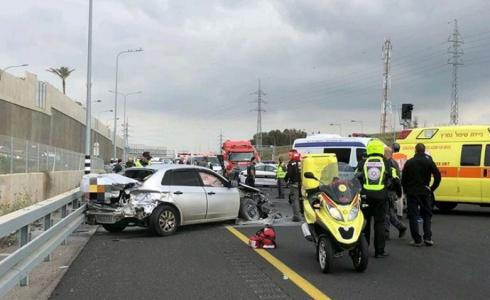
(349,150)
(462,154)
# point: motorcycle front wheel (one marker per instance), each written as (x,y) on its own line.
(360,255)
(325,253)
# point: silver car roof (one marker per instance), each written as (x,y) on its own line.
(155,179)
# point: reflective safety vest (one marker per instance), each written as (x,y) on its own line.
(374,174)
(400,158)
(138,163)
(280,172)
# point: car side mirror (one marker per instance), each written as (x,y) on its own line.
(310,175)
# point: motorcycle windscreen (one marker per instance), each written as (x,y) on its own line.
(340,183)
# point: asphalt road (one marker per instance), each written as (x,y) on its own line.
(208,262)
(457,267)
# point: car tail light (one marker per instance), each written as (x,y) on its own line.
(404,134)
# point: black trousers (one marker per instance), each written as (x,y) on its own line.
(420,205)
(250,181)
(377,211)
(391,218)
(280,183)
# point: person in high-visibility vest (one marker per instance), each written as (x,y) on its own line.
(376,175)
(144,161)
(280,175)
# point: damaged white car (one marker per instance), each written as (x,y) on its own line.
(173,196)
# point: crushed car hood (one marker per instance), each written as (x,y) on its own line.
(248,188)
(117,181)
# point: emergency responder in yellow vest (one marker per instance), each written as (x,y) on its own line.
(144,161)
(280,175)
(376,175)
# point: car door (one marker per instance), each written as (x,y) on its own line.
(222,201)
(485,182)
(187,192)
(260,175)
(470,173)
(270,175)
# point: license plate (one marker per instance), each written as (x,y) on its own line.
(105,219)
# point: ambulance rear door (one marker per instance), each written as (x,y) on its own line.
(470,173)
(485,182)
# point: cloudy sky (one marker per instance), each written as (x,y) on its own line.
(319,61)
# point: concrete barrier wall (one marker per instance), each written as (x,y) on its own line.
(57,121)
(21,190)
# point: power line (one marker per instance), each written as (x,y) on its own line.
(220,137)
(259,109)
(456,51)
(386,111)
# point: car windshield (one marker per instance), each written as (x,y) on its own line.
(241,156)
(139,174)
(214,161)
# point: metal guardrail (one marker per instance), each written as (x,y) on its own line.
(15,268)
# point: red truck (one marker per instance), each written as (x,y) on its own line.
(237,155)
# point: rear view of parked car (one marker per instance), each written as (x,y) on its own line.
(265,175)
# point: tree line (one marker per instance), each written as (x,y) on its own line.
(280,138)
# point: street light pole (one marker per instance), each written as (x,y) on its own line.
(125,122)
(11,67)
(88,117)
(337,124)
(115,97)
(360,122)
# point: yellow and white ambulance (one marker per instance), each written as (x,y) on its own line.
(462,154)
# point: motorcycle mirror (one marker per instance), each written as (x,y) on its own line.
(310,175)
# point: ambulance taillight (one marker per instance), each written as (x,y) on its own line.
(404,134)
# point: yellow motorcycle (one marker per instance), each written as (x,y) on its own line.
(332,209)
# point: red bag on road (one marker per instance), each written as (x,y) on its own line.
(264,238)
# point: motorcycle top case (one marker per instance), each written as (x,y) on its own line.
(316,164)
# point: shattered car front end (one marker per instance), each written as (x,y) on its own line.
(108,198)
(115,202)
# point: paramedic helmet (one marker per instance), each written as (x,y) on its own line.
(375,147)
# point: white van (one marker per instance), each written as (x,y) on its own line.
(349,150)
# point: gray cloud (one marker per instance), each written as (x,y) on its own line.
(319,61)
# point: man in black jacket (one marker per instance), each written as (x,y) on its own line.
(250,180)
(117,167)
(416,178)
(293,178)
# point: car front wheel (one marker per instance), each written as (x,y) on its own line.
(116,227)
(164,220)
(249,210)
